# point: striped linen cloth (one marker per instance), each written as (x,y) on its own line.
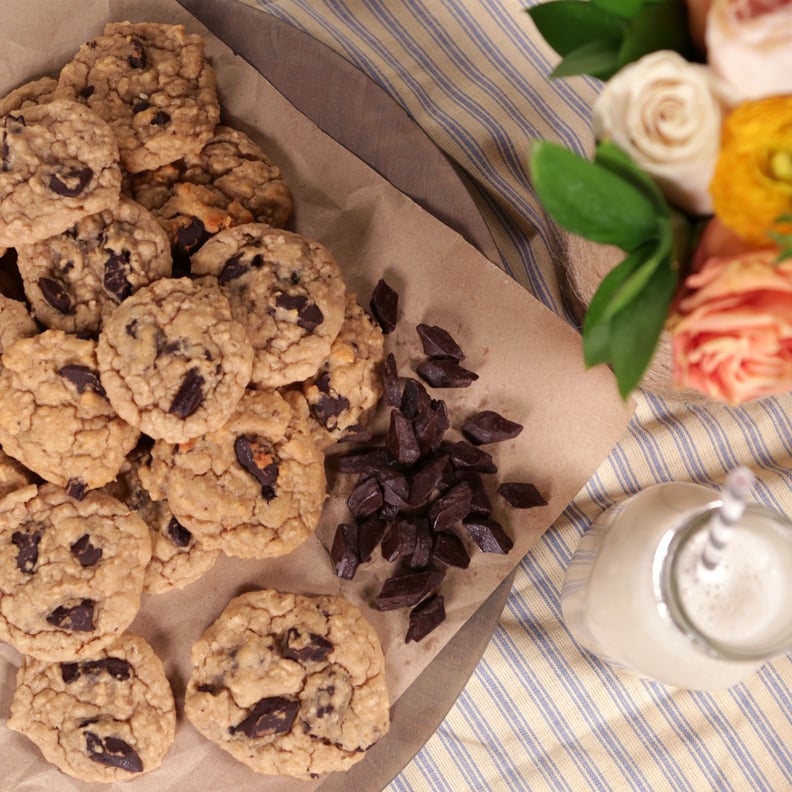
(539,713)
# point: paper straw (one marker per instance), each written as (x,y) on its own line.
(735,491)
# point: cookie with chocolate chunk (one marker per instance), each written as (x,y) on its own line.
(230,182)
(287,291)
(108,718)
(58,163)
(74,279)
(153,84)
(55,417)
(71,571)
(254,487)
(349,384)
(173,360)
(290,684)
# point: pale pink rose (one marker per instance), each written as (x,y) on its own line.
(732,332)
(666,113)
(749,46)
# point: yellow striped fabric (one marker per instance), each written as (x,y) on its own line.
(539,713)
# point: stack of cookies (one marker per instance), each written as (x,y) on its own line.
(171,373)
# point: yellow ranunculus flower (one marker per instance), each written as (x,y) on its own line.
(752,184)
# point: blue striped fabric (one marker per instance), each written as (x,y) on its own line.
(539,713)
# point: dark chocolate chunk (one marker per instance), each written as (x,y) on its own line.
(137,58)
(344,551)
(140,106)
(488,534)
(76,488)
(367,461)
(431,425)
(27,553)
(305,647)
(404,591)
(401,440)
(160,118)
(190,395)
(385,306)
(444,373)
(488,426)
(189,238)
(365,498)
(132,328)
(450,550)
(71,183)
(521,495)
(116,667)
(234,268)
(357,433)
(370,533)
(327,406)
(212,690)
(86,553)
(438,343)
(480,504)
(395,488)
(87,91)
(415,400)
(465,456)
(83,377)
(273,715)
(177,533)
(116,269)
(258,460)
(423,544)
(55,293)
(113,752)
(451,507)
(390,381)
(425,617)
(309,315)
(426,480)
(78,618)
(399,540)
(70,672)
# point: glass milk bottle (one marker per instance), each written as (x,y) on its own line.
(638,594)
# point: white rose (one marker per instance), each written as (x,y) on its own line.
(749,45)
(666,114)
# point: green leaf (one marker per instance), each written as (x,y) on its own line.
(618,161)
(622,8)
(658,26)
(567,25)
(598,58)
(590,200)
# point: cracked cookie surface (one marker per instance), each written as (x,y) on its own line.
(55,417)
(71,571)
(287,291)
(290,684)
(59,163)
(109,718)
(253,488)
(173,360)
(153,84)
(76,278)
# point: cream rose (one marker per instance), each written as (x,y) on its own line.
(748,46)
(666,113)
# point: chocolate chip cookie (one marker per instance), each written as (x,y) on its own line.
(29,94)
(76,278)
(55,417)
(349,384)
(71,571)
(58,163)
(253,488)
(288,292)
(290,684)
(173,360)
(177,557)
(15,322)
(231,182)
(109,718)
(153,84)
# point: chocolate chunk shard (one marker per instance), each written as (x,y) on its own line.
(309,315)
(480,503)
(78,618)
(451,507)
(116,269)
(55,293)
(445,373)
(367,461)
(327,406)
(344,550)
(83,378)
(272,715)
(116,667)
(401,441)
(395,488)
(425,617)
(27,553)
(450,550)
(385,306)
(140,106)
(177,533)
(190,395)
(488,426)
(426,480)
(234,268)
(521,495)
(258,460)
(76,488)
(404,591)
(390,381)
(160,118)
(113,752)
(305,647)
(431,425)
(423,544)
(488,534)
(465,456)
(370,533)
(86,553)
(365,498)
(438,343)
(70,183)
(399,540)
(415,399)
